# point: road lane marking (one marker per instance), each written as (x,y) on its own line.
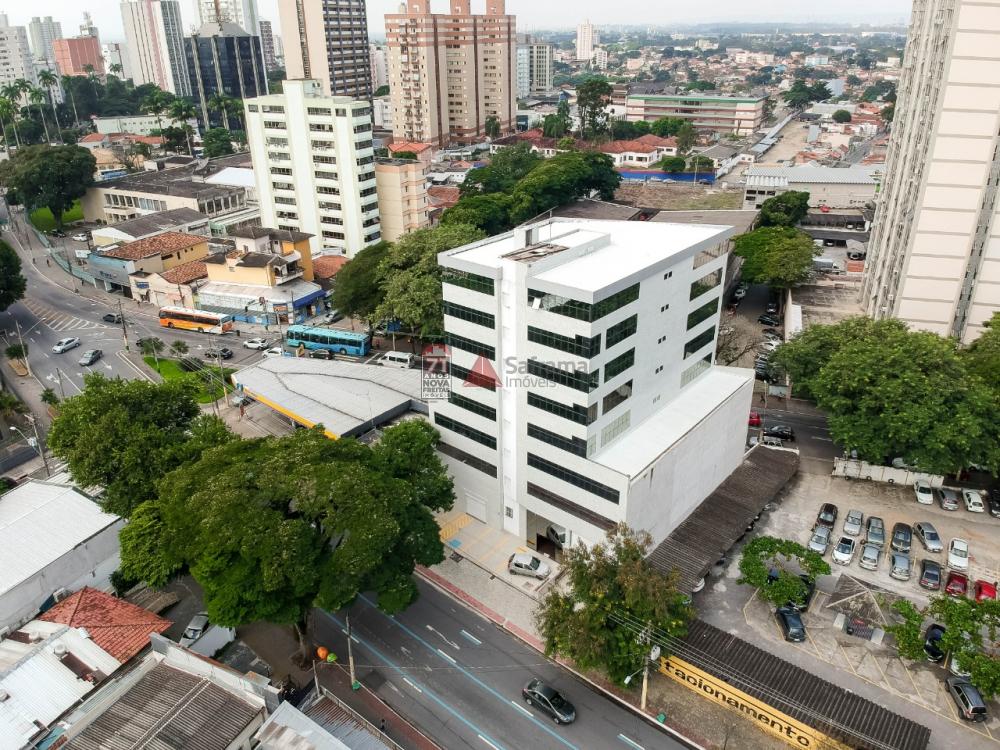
(378,654)
(412,684)
(450,643)
(492,691)
(449,657)
(519,707)
(825,440)
(471,637)
(631,743)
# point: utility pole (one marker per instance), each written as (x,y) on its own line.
(350,655)
(62,390)
(121,316)
(40,447)
(222,376)
(24,351)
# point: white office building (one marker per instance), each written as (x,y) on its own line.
(41,33)
(15,54)
(155,40)
(314,162)
(587,38)
(934,256)
(380,65)
(582,386)
(522,69)
(116,53)
(241,12)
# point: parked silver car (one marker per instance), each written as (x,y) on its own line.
(876,532)
(843,553)
(820,540)
(871,555)
(947,497)
(901,567)
(524,564)
(927,535)
(195,629)
(853,522)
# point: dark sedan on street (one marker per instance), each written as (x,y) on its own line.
(548,699)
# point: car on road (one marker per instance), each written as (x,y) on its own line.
(930,575)
(776,337)
(64,345)
(256,344)
(853,522)
(195,629)
(771,308)
(740,293)
(957,585)
(923,491)
(984,590)
(536,693)
(274,351)
(790,621)
(876,532)
(973,501)
(993,501)
(932,643)
(768,320)
(900,567)
(902,538)
(820,539)
(958,554)
(90,356)
(81,237)
(320,354)
(947,498)
(755,420)
(768,346)
(843,553)
(827,515)
(780,431)
(56,233)
(333,316)
(112,318)
(871,556)
(927,535)
(221,352)
(526,564)
(968,699)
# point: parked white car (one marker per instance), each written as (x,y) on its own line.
(274,351)
(526,564)
(64,345)
(974,501)
(843,553)
(958,555)
(923,491)
(255,344)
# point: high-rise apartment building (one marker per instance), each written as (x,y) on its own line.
(450,73)
(15,54)
(522,69)
(314,163)
(402,196)
(155,39)
(223,59)
(77,56)
(934,256)
(327,41)
(42,32)
(380,66)
(582,387)
(267,45)
(587,37)
(535,66)
(115,56)
(88,28)
(241,12)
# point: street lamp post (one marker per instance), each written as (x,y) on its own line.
(653,655)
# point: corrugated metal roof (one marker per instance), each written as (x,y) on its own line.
(833,710)
(344,726)
(41,522)
(290,729)
(768,176)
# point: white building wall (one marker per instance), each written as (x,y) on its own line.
(155,40)
(15,56)
(290,137)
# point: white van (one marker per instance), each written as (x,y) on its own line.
(398,359)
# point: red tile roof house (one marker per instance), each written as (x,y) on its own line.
(117,626)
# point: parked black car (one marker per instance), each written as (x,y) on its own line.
(993,503)
(112,318)
(827,515)
(791,624)
(222,352)
(320,354)
(537,693)
(902,537)
(932,643)
(784,432)
(769,320)
(803,604)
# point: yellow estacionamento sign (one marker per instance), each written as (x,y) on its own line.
(767,718)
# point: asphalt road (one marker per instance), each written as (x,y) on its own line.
(458,678)
(51,311)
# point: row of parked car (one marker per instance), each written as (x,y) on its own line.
(949,498)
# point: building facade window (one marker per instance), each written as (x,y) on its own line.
(699,342)
(706,283)
(468,345)
(695,370)
(475,407)
(580,346)
(469,314)
(585,311)
(571,477)
(703,313)
(618,333)
(472,378)
(581,381)
(467,280)
(573,445)
(616,428)
(619,365)
(619,395)
(574,413)
(464,430)
(467,458)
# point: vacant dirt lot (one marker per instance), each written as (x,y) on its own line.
(679,197)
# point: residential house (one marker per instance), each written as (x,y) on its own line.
(177,287)
(113,265)
(424,151)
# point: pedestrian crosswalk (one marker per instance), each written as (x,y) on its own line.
(59,321)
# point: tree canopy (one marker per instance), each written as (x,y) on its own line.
(12,283)
(891,392)
(612,594)
(51,176)
(357,291)
(592,97)
(506,168)
(779,256)
(842,116)
(217,142)
(785,210)
(763,554)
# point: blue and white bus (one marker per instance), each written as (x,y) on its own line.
(331,339)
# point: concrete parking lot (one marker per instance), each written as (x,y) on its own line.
(915,689)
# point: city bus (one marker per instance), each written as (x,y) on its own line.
(331,339)
(195,320)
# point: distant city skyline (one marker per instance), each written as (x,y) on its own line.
(531,15)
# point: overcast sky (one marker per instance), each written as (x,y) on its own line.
(531,14)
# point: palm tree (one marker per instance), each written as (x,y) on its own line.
(6,113)
(9,94)
(182,110)
(219,103)
(156,103)
(10,405)
(67,84)
(116,69)
(234,108)
(37,97)
(23,87)
(92,77)
(49,80)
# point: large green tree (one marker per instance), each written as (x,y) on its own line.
(982,357)
(666,126)
(273,526)
(788,560)
(217,142)
(611,594)
(51,176)
(785,210)
(124,435)
(891,392)
(592,97)
(12,283)
(779,256)
(357,289)
(411,277)
(686,137)
(506,168)
(491,213)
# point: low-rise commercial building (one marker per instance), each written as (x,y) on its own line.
(183,220)
(114,265)
(854,187)
(585,395)
(402,196)
(719,113)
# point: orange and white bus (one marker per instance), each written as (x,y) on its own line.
(195,320)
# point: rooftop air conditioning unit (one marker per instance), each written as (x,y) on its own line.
(59,594)
(59,649)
